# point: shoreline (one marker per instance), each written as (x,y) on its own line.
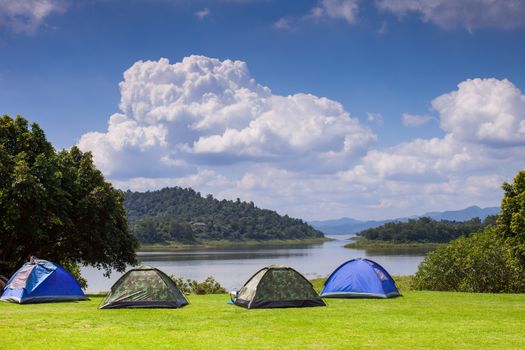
(231,244)
(361,243)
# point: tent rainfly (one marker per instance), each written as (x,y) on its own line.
(144,287)
(277,287)
(42,281)
(360,278)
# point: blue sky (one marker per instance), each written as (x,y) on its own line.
(393,149)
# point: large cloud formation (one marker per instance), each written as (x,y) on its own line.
(484,121)
(208,124)
(206,111)
(484,110)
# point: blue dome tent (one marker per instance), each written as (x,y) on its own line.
(42,281)
(360,278)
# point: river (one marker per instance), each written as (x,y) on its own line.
(233,266)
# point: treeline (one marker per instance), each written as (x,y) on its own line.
(426,230)
(183,215)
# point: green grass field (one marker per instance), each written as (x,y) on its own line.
(419,320)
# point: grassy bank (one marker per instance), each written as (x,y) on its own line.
(362,243)
(231,244)
(419,320)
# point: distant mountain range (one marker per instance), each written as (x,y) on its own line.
(348,225)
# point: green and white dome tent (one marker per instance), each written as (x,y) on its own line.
(144,287)
(277,286)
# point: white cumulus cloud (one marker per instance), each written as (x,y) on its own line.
(206,111)
(489,111)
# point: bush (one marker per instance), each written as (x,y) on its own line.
(403,283)
(209,286)
(483,262)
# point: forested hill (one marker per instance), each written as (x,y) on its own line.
(426,230)
(183,215)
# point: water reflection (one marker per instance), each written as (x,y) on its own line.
(234,265)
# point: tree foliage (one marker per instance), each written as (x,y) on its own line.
(425,230)
(511,221)
(57,205)
(490,261)
(177,214)
(483,262)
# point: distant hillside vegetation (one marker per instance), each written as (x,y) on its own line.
(426,230)
(183,215)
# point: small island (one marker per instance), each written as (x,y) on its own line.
(422,233)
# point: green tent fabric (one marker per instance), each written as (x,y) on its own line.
(144,287)
(276,287)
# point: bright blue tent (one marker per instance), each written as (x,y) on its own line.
(41,281)
(360,278)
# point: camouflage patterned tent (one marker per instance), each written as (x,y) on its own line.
(144,287)
(277,286)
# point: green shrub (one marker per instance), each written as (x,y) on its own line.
(483,262)
(403,283)
(209,286)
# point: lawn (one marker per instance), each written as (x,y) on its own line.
(419,320)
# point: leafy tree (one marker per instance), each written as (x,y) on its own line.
(511,221)
(57,206)
(483,262)
(490,261)
(146,230)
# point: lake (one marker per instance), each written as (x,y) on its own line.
(234,265)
